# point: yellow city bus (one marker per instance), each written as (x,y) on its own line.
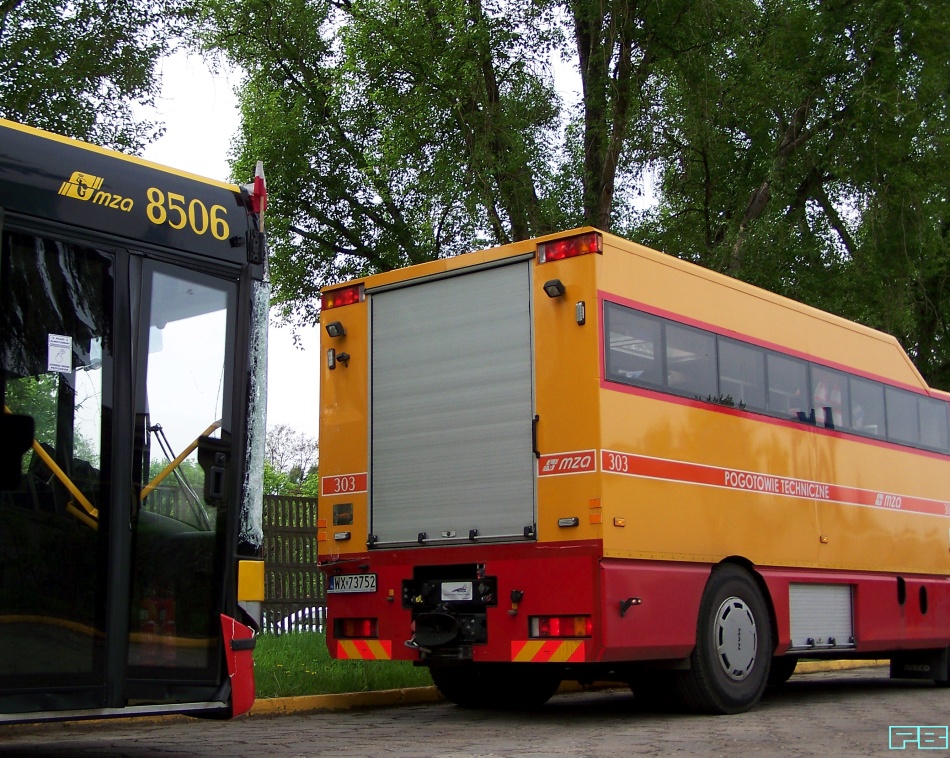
(576,458)
(132,357)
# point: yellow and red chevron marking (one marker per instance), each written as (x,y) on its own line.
(547,651)
(365,650)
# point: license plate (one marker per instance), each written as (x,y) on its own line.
(352,583)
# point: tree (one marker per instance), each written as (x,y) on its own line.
(796,145)
(290,465)
(401,132)
(801,150)
(75,68)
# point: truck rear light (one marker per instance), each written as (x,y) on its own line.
(582,244)
(355,628)
(354,293)
(561,626)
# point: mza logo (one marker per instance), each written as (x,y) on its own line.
(577,462)
(82,186)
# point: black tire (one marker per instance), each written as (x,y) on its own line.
(499,686)
(729,667)
(781,670)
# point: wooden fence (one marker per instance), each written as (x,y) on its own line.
(294,596)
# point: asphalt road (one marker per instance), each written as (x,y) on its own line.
(839,713)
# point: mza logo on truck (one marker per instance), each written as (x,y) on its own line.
(588,460)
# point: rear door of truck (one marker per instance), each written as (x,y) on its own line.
(451,396)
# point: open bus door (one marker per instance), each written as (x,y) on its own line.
(115,552)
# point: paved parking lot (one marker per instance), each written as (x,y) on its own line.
(841,713)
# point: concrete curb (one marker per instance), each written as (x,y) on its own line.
(417,695)
(344,701)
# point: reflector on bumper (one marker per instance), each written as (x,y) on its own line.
(547,651)
(364,650)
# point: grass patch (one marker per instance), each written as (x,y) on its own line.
(298,663)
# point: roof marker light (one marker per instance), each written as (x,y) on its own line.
(354,293)
(570,247)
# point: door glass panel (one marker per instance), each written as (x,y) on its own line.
(57,366)
(178,538)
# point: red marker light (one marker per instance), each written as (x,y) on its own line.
(355,293)
(561,626)
(582,244)
(356,628)
(258,192)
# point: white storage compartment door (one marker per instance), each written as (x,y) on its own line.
(451,398)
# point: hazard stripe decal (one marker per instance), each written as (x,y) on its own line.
(547,651)
(663,469)
(364,650)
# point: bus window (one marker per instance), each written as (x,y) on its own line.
(830,396)
(691,361)
(933,423)
(902,420)
(788,387)
(178,550)
(867,407)
(634,349)
(742,374)
(54,528)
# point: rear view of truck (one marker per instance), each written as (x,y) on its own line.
(431,440)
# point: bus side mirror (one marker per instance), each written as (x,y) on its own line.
(16,437)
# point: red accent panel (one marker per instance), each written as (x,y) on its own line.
(556,580)
(881,623)
(663,623)
(343,484)
(240,665)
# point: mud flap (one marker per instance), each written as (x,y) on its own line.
(238,644)
(922,664)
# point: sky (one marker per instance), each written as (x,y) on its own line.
(199,111)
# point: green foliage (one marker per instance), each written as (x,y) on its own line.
(75,67)
(188,468)
(298,663)
(290,466)
(398,132)
(802,146)
(797,145)
(36,396)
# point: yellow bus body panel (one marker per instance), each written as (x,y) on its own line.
(676,505)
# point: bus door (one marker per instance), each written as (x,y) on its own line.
(113,547)
(56,347)
(182,465)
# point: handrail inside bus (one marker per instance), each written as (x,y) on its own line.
(148,488)
(66,481)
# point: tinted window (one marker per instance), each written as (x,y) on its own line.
(830,395)
(742,374)
(634,352)
(933,423)
(867,407)
(788,386)
(691,361)
(902,419)
(655,352)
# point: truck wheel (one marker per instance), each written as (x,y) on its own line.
(502,686)
(729,666)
